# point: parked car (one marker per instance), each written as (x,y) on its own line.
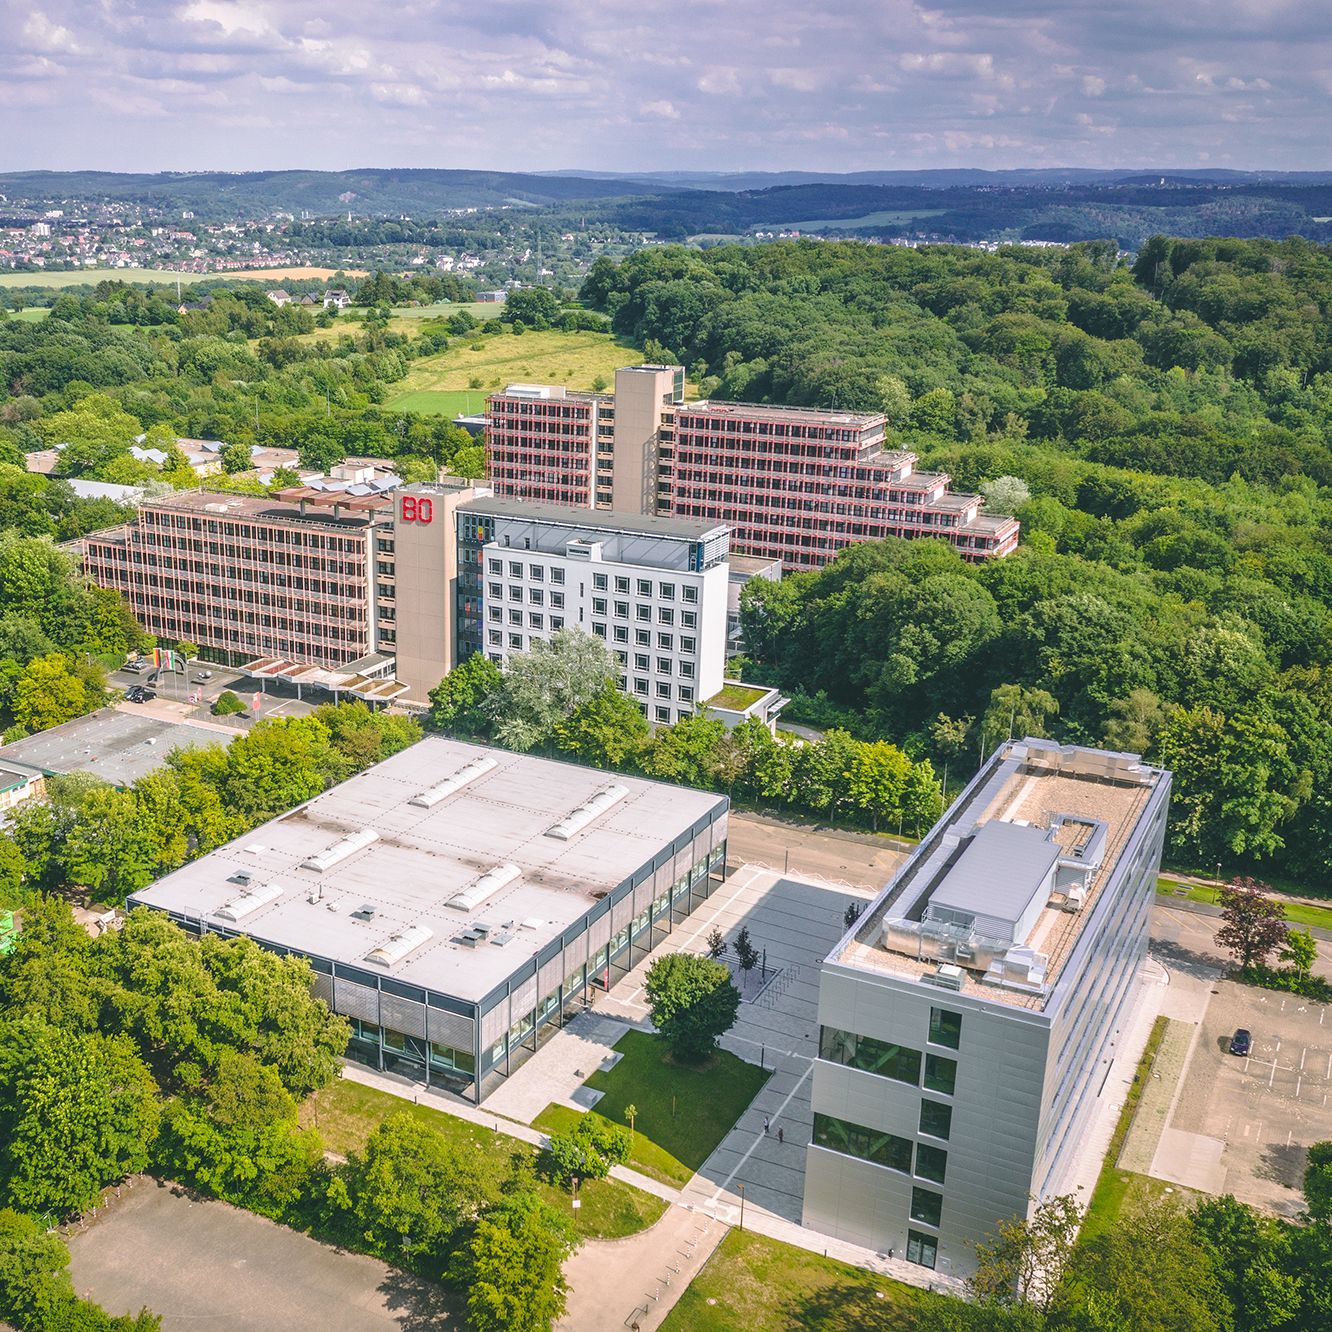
(203,677)
(138,694)
(1241,1042)
(136,667)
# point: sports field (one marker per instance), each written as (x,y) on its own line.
(450,402)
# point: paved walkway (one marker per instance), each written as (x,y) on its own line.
(616,1284)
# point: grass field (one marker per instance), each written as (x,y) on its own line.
(572,359)
(91,276)
(1297,913)
(297,273)
(881,219)
(479,310)
(647,1158)
(348,1112)
(682,1112)
(450,402)
(752,1283)
(30,315)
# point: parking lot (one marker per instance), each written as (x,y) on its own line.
(1266,1108)
(176,693)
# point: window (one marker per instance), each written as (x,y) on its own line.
(621,585)
(663,714)
(945,1028)
(922,1249)
(535,596)
(535,572)
(642,662)
(515,569)
(687,669)
(926,1206)
(686,643)
(600,582)
(688,620)
(665,615)
(665,642)
(640,685)
(621,634)
(642,612)
(557,621)
(663,665)
(663,689)
(643,638)
(885,1149)
(644,587)
(496,638)
(534,621)
(936,1118)
(666,591)
(689,592)
(686,694)
(940,1074)
(516,642)
(515,615)
(557,576)
(931,1162)
(621,610)
(515,592)
(497,590)
(496,613)
(557,600)
(872,1056)
(495,566)
(599,628)
(598,605)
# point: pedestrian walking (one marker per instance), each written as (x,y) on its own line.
(779,1135)
(765,1126)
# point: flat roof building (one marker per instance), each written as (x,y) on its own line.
(969,1016)
(457,902)
(796,484)
(119,747)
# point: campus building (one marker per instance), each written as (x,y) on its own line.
(289,577)
(970,1017)
(795,484)
(459,903)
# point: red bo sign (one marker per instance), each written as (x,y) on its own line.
(417,509)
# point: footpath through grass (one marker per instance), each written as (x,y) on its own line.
(1114,1187)
(683,1113)
(1296,913)
(348,1112)
(753,1283)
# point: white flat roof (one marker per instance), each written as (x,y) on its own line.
(429,852)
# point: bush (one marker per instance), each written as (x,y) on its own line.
(1289,981)
(589,1149)
(226,704)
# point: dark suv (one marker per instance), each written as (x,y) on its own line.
(1241,1042)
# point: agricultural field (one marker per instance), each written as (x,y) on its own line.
(80,277)
(30,315)
(298,273)
(486,363)
(479,310)
(889,218)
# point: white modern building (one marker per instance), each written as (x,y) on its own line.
(458,903)
(654,589)
(970,1018)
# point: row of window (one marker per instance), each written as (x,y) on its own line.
(885,1149)
(888,1059)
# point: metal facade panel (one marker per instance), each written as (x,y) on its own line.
(622,913)
(524,998)
(598,934)
(453,1029)
(551,976)
(402,1015)
(322,987)
(357,1001)
(494,1024)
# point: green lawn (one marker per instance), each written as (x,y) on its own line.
(348,1112)
(736,697)
(647,1158)
(1297,913)
(479,310)
(1115,1187)
(79,277)
(890,217)
(494,360)
(434,402)
(31,315)
(685,1112)
(753,1284)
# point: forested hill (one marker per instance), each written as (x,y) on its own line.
(1168,427)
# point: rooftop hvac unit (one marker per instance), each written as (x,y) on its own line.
(340,850)
(947,977)
(593,808)
(469,772)
(399,944)
(249,901)
(487,885)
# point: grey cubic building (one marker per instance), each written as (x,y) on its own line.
(969,1018)
(457,902)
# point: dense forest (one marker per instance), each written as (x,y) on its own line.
(1167,425)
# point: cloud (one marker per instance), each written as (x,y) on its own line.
(535,84)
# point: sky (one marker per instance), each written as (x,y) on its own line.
(628,85)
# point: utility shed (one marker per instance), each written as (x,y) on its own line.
(1001,881)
